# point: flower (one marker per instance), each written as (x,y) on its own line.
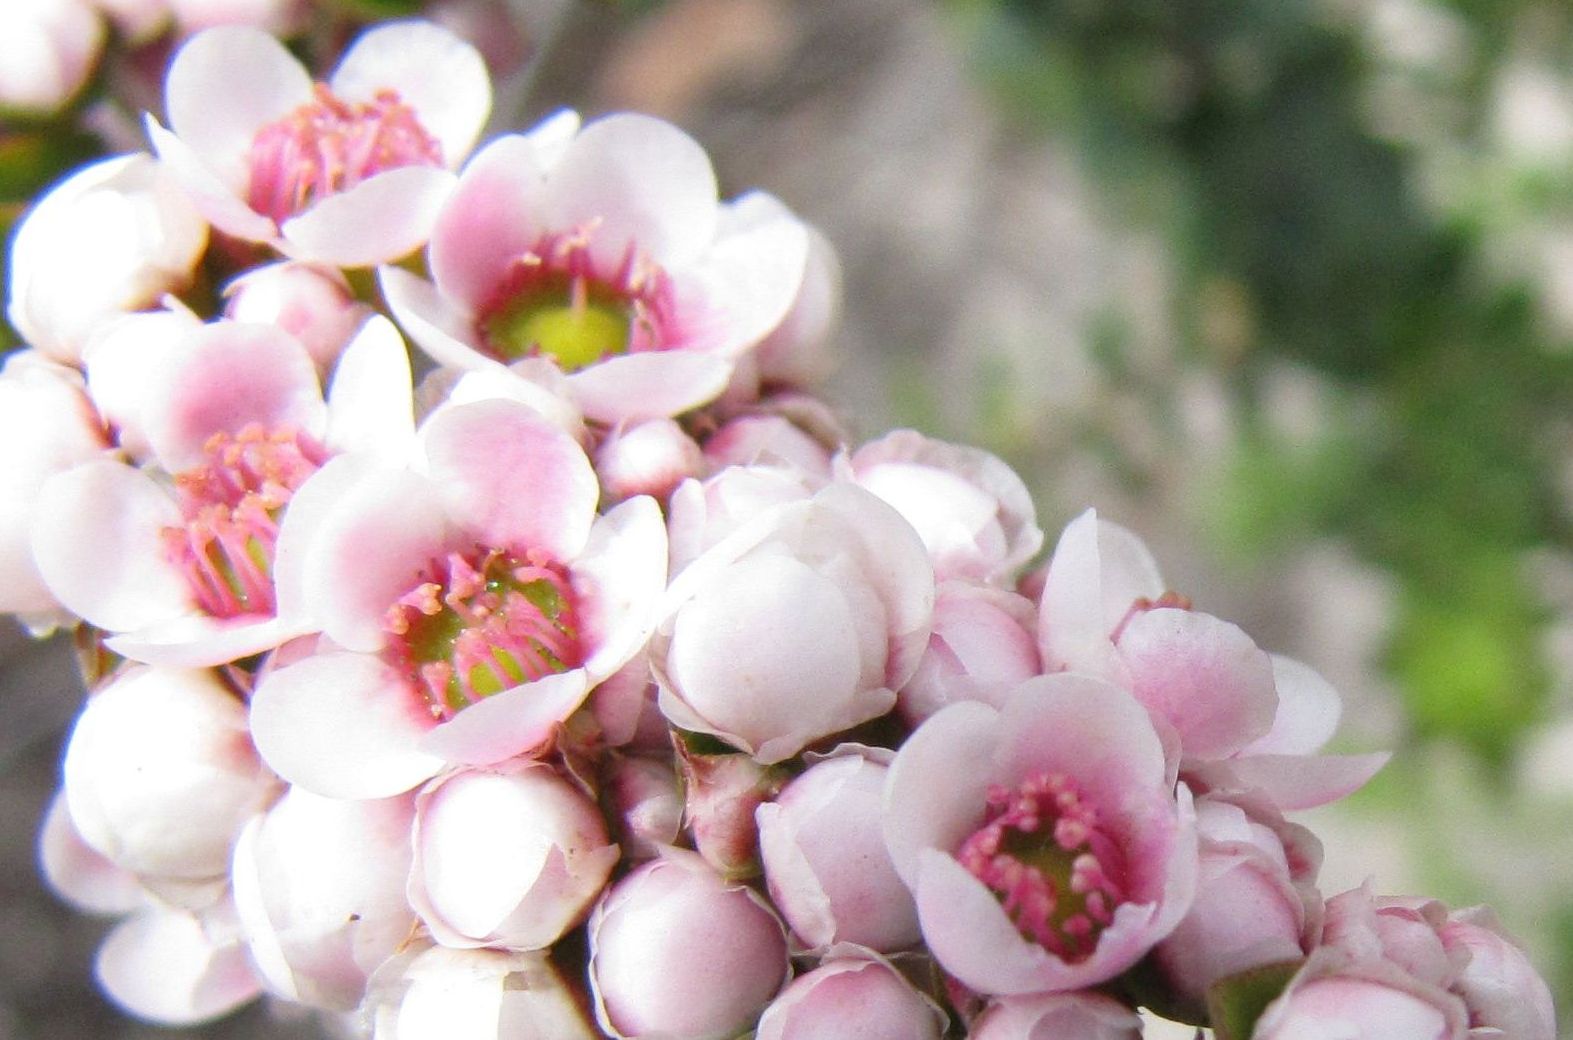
(1331,995)
(1063,1016)
(435,993)
(471,598)
(1045,842)
(850,609)
(349,172)
(605,250)
(146,239)
(644,976)
(853,993)
(506,859)
(47,50)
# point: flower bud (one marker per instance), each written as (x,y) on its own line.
(160,774)
(444,994)
(319,883)
(506,859)
(313,304)
(647,458)
(853,995)
(77,872)
(649,803)
(111,238)
(644,935)
(175,967)
(1063,1016)
(1333,995)
(981,649)
(825,859)
(1499,985)
(721,793)
(767,439)
(47,50)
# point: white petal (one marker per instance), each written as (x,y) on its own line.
(386,216)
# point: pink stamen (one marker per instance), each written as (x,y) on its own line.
(330,145)
(1059,883)
(483,622)
(231,505)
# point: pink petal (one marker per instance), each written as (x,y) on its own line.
(638,182)
(444,333)
(1297,781)
(226,84)
(512,479)
(369,549)
(491,219)
(198,641)
(937,787)
(96,540)
(79,873)
(383,218)
(439,75)
(371,402)
(225,377)
(752,277)
(619,579)
(215,199)
(1308,712)
(343,725)
(162,965)
(654,385)
(1203,676)
(508,723)
(969,933)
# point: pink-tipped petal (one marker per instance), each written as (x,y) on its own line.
(343,725)
(1308,712)
(212,197)
(656,385)
(511,478)
(508,723)
(217,112)
(619,578)
(639,182)
(439,75)
(447,336)
(96,540)
(491,220)
(370,403)
(229,375)
(753,277)
(383,218)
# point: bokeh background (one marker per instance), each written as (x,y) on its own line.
(1286,286)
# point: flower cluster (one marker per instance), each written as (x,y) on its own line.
(576,676)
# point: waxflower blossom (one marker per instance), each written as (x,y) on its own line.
(472,595)
(853,993)
(1044,841)
(604,249)
(347,172)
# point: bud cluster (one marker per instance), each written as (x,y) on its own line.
(576,676)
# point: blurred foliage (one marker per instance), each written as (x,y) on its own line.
(1243,131)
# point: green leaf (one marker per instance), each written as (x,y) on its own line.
(1235,1002)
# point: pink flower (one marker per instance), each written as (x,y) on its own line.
(1333,996)
(1063,1016)
(852,595)
(319,884)
(349,172)
(981,649)
(470,599)
(604,249)
(990,811)
(110,239)
(1256,898)
(973,512)
(856,993)
(648,458)
(506,859)
(235,415)
(644,934)
(314,304)
(825,862)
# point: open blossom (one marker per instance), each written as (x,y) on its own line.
(852,597)
(110,239)
(1044,842)
(348,172)
(235,419)
(604,249)
(471,598)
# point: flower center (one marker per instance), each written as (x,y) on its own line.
(1042,852)
(480,623)
(231,505)
(330,145)
(553,301)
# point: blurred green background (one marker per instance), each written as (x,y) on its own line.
(1284,285)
